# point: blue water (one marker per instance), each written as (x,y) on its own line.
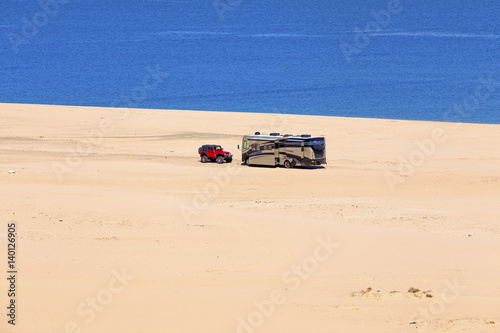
(421,62)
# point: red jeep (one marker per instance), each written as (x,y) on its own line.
(210,153)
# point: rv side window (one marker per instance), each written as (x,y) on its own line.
(261,147)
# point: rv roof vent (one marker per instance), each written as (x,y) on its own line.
(274,134)
(287,135)
(257,133)
(305,135)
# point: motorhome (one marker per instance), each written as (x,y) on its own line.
(286,150)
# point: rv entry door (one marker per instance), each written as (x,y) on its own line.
(277,153)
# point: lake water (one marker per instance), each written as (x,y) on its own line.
(424,60)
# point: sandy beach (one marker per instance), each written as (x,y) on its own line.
(120,228)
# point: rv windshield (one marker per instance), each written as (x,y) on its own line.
(318,146)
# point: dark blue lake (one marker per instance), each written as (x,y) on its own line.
(424,60)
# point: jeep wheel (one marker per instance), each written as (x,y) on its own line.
(220,159)
(204,159)
(288,165)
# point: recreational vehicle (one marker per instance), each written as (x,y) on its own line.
(287,150)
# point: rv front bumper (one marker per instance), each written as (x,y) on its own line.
(316,161)
(319,162)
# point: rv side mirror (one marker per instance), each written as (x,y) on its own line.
(238,147)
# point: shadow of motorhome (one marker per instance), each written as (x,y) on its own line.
(311,167)
(259,166)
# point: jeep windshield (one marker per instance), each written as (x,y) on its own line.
(218,148)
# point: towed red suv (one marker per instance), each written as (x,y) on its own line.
(211,153)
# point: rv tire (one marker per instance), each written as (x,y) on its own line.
(288,165)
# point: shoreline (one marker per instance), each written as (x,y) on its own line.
(247,112)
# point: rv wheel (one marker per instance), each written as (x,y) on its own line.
(288,165)
(204,159)
(220,159)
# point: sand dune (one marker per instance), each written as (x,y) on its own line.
(122,229)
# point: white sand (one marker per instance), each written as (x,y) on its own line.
(249,258)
